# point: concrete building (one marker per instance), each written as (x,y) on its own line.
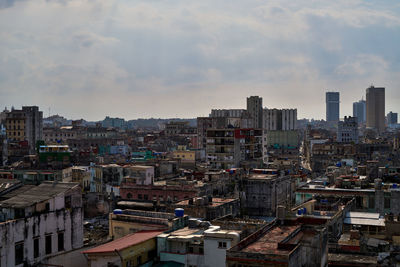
(359,111)
(392,118)
(176,128)
(263,191)
(286,140)
(230,147)
(231,113)
(132,250)
(143,175)
(279,119)
(281,244)
(255,110)
(200,245)
(375,106)
(348,130)
(114,123)
(39,222)
(203,124)
(332,106)
(209,208)
(124,222)
(25,125)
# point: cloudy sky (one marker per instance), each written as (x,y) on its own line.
(154,58)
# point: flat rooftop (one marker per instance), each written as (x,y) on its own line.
(215,202)
(268,243)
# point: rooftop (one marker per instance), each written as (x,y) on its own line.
(124,242)
(268,243)
(364,218)
(8,184)
(215,202)
(37,194)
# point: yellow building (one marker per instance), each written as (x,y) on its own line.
(15,126)
(184,155)
(81,175)
(128,251)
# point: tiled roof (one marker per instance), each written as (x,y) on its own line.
(124,242)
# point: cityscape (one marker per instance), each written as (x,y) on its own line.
(199,133)
(242,187)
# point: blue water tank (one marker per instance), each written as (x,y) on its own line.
(299,211)
(304,211)
(179,212)
(117,211)
(394,185)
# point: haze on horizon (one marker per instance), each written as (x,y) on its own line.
(141,59)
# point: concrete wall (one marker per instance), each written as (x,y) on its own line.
(213,255)
(25,230)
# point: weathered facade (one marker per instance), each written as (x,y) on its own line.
(40,222)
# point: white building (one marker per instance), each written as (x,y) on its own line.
(39,222)
(144,175)
(196,246)
(279,119)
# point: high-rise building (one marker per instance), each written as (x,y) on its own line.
(359,111)
(332,106)
(348,130)
(392,118)
(375,107)
(279,119)
(255,110)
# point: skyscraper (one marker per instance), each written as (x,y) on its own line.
(254,108)
(376,108)
(332,106)
(391,118)
(359,111)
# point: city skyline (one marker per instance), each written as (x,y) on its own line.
(161,59)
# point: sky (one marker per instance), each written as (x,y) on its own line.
(169,58)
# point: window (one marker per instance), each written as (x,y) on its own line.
(48,244)
(36,247)
(190,249)
(387,203)
(139,196)
(222,245)
(60,241)
(19,253)
(371,202)
(146,197)
(67,200)
(201,250)
(139,260)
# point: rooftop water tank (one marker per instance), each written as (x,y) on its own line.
(179,212)
(299,211)
(117,211)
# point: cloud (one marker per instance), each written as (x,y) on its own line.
(92,58)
